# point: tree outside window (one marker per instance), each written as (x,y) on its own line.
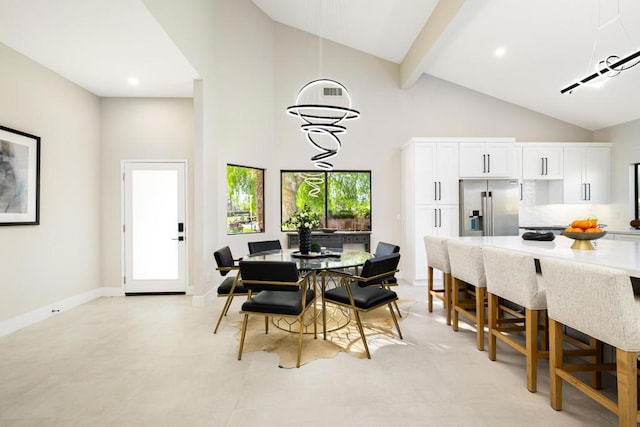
(245,199)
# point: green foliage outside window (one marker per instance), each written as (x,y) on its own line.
(245,199)
(342,199)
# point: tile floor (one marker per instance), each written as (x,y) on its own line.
(153,361)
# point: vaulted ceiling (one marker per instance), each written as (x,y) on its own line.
(548,44)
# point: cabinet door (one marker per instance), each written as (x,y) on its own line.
(574,189)
(426,185)
(448,221)
(446,167)
(501,160)
(597,174)
(544,162)
(425,222)
(472,159)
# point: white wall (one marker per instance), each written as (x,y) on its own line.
(60,258)
(139,129)
(626,151)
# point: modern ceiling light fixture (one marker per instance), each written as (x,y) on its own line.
(612,65)
(324,105)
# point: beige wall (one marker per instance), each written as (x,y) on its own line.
(138,129)
(60,258)
(626,151)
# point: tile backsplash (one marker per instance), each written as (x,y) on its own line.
(535,211)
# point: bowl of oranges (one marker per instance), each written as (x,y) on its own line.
(583,231)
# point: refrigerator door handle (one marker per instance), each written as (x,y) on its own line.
(489,214)
(484,214)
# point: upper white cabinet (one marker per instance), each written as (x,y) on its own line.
(436,173)
(542,161)
(487,160)
(587,173)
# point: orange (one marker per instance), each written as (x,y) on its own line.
(576,223)
(584,224)
(592,230)
(568,229)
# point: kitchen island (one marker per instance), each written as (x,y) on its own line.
(624,255)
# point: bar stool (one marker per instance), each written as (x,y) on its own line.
(597,301)
(438,258)
(467,268)
(512,276)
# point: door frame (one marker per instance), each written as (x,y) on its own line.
(123,272)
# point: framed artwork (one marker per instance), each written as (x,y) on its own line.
(19,178)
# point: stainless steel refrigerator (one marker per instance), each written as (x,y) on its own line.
(489,207)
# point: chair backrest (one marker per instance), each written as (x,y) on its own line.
(466,262)
(384,248)
(261,275)
(264,245)
(379,265)
(512,275)
(592,299)
(437,254)
(223,258)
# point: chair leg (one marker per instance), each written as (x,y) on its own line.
(480,317)
(446,282)
(429,289)
(395,320)
(455,301)
(596,376)
(300,342)
(627,387)
(555,362)
(324,319)
(266,325)
(531,347)
(244,332)
(223,313)
(492,312)
(364,340)
(315,324)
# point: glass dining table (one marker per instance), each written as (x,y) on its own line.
(319,264)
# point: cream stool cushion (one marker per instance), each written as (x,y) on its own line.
(466,262)
(437,255)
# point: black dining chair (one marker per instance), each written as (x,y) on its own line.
(384,248)
(282,293)
(229,287)
(264,245)
(365,292)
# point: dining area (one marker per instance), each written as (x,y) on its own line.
(574,308)
(299,291)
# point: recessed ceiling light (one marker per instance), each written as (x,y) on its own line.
(500,52)
(133,81)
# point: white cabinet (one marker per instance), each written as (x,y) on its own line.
(487,160)
(429,199)
(587,173)
(434,220)
(542,161)
(436,173)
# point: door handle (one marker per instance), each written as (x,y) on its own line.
(488,163)
(435,190)
(484,163)
(439,190)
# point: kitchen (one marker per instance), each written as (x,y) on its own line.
(555,183)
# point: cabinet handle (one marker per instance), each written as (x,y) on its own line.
(435,217)
(584,191)
(488,163)
(521,192)
(484,163)
(589,188)
(546,166)
(435,190)
(440,218)
(439,190)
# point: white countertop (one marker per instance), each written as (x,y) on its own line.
(612,253)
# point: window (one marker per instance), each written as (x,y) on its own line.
(245,199)
(341,198)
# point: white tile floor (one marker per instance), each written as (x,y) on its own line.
(153,360)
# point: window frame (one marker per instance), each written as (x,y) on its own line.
(325,215)
(260,215)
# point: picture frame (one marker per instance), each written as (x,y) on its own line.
(19,177)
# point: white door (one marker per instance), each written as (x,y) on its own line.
(154,207)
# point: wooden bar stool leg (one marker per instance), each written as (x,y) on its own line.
(596,376)
(480,317)
(455,298)
(627,387)
(555,362)
(446,280)
(531,337)
(430,288)
(492,309)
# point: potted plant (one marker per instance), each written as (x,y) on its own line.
(304,220)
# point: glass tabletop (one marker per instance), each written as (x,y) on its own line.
(347,258)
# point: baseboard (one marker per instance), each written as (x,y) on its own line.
(27,319)
(203,300)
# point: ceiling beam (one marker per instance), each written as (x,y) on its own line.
(411,66)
